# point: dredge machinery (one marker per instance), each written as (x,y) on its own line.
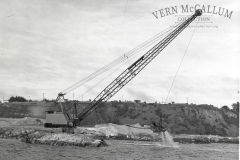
(67,119)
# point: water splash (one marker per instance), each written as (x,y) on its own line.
(167,139)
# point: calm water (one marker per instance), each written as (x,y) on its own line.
(15,150)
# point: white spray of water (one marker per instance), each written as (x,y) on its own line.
(168,139)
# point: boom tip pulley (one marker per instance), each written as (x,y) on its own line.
(198,12)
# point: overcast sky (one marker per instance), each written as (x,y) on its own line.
(46,46)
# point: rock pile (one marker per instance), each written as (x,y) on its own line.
(44,137)
(121,132)
(200,139)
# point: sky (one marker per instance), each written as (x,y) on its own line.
(48,45)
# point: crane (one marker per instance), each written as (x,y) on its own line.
(64,118)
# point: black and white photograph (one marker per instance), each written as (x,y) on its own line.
(119,79)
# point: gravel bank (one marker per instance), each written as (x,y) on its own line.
(30,135)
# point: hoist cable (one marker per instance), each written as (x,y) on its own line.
(113,63)
(180,64)
(105,77)
(110,65)
(118,60)
(91,77)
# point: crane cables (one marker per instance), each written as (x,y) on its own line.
(181,63)
(107,76)
(119,60)
(111,73)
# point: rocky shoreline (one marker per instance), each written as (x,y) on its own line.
(35,136)
(123,132)
(96,136)
(178,138)
(203,139)
(93,139)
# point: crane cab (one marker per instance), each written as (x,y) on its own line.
(55,119)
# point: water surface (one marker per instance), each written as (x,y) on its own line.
(15,150)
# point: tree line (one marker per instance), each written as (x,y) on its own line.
(22,99)
(235,106)
(17,99)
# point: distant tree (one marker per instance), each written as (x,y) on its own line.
(17,99)
(137,101)
(46,100)
(235,107)
(226,107)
